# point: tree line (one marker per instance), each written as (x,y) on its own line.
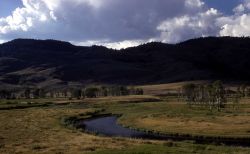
(79,93)
(213,96)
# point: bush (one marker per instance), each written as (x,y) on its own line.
(91,92)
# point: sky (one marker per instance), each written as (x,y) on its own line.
(122,23)
(225,6)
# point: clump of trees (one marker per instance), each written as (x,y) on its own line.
(241,92)
(5,94)
(212,95)
(79,93)
(104,91)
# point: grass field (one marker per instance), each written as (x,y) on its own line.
(175,148)
(37,130)
(163,89)
(177,117)
(40,129)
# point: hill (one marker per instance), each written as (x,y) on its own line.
(50,63)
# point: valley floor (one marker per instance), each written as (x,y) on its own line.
(42,129)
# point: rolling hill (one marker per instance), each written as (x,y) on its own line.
(48,63)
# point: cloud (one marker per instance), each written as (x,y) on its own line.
(239,9)
(237,24)
(27,21)
(243,7)
(119,23)
(189,26)
(114,45)
(84,20)
(117,20)
(194,3)
(207,23)
(2,41)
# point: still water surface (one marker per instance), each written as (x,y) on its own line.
(108,126)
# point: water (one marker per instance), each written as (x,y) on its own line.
(108,126)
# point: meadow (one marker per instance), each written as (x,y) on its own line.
(38,125)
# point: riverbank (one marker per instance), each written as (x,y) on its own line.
(178,118)
(98,123)
(39,130)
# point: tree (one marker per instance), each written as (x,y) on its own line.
(36,93)
(139,91)
(236,98)
(248,92)
(5,94)
(219,95)
(91,92)
(211,95)
(65,93)
(189,93)
(27,93)
(104,91)
(77,93)
(179,94)
(123,90)
(42,93)
(83,94)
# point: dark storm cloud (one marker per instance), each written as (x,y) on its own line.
(118,19)
(82,20)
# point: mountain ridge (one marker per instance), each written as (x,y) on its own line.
(48,63)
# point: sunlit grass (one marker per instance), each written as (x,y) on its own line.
(40,129)
(177,117)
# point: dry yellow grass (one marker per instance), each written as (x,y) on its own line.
(39,131)
(175,117)
(162,89)
(238,126)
